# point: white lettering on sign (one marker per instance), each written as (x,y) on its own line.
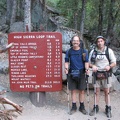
(46,86)
(28,36)
(32,43)
(23,47)
(17,76)
(50,36)
(15,69)
(21,86)
(17,37)
(56,82)
(40,36)
(30,75)
(25,78)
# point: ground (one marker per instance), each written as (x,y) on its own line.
(56,107)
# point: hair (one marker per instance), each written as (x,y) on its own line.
(73,38)
(81,41)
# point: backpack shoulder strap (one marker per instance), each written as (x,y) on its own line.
(94,55)
(107,54)
(69,52)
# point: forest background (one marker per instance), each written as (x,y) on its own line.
(91,18)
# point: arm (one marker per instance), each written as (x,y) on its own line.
(66,67)
(66,62)
(94,68)
(87,68)
(107,68)
(112,60)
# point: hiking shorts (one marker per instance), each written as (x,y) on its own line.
(77,85)
(103,83)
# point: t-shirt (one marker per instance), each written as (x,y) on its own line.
(75,59)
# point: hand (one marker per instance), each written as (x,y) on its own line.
(107,68)
(87,71)
(66,71)
(94,68)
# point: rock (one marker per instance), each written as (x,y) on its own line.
(17,27)
(115,83)
(67,34)
(63,68)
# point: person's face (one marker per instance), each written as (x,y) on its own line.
(100,43)
(76,41)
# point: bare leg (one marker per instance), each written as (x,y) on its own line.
(97,96)
(73,95)
(81,96)
(107,96)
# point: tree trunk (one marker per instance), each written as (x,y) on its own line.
(20,6)
(27,16)
(82,18)
(14,11)
(111,21)
(9,11)
(100,23)
(75,20)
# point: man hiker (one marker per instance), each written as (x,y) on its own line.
(102,60)
(76,64)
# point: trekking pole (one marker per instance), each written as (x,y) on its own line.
(68,96)
(108,94)
(94,75)
(86,76)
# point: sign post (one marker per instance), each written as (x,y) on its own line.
(35,63)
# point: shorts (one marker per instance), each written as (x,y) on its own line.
(77,85)
(102,83)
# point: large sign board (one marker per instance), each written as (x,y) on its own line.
(35,61)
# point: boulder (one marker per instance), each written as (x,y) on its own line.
(17,27)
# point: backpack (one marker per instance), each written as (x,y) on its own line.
(94,55)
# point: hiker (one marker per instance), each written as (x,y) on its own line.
(102,60)
(77,57)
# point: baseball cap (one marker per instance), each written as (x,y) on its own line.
(98,37)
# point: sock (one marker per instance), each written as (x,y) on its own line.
(74,104)
(81,105)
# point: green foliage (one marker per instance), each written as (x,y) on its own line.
(2,5)
(69,8)
(52,3)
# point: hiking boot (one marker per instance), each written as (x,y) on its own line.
(73,109)
(94,110)
(82,110)
(108,111)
